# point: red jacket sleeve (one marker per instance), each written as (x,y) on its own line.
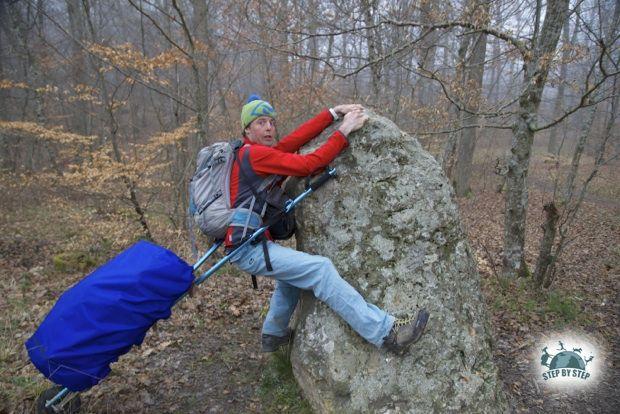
(305,132)
(266,160)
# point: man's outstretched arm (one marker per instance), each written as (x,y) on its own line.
(266,160)
(313,127)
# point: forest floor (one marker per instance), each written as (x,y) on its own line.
(206,357)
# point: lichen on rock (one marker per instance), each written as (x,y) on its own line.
(391,227)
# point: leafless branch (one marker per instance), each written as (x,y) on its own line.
(584,102)
(518,44)
(448,131)
(159,29)
(188,35)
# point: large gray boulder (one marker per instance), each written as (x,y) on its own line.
(391,227)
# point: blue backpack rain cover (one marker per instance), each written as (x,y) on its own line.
(106,313)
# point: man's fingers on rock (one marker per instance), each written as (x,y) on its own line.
(347,108)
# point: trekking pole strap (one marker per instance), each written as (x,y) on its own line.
(266,254)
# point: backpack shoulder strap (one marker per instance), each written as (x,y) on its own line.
(236,144)
(245,170)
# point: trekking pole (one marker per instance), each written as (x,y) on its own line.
(290,205)
(208,254)
(61,394)
(314,185)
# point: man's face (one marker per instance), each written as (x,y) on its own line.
(262,131)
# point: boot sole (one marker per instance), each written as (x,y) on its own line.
(418,330)
(420,325)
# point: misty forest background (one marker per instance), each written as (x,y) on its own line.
(104,105)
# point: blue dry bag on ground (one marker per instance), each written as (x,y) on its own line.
(106,313)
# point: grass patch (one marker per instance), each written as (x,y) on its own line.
(69,262)
(530,305)
(523,302)
(278,390)
(563,306)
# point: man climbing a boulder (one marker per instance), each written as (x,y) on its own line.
(262,163)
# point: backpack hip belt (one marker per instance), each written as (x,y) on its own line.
(243,217)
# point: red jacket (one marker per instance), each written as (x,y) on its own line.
(282,159)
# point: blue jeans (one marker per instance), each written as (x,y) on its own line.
(294,270)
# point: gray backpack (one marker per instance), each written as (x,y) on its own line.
(209,188)
(209,196)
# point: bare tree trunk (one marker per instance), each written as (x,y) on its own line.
(428,49)
(38,79)
(200,70)
(449,153)
(536,70)
(474,74)
(18,25)
(545,258)
(372,42)
(611,121)
(581,143)
(613,103)
(496,76)
(4,56)
(454,113)
(12,26)
(553,145)
(469,74)
(78,68)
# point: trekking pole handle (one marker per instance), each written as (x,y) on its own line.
(323,178)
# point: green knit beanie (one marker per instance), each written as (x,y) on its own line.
(255,108)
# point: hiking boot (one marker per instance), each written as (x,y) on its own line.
(271,343)
(405,332)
